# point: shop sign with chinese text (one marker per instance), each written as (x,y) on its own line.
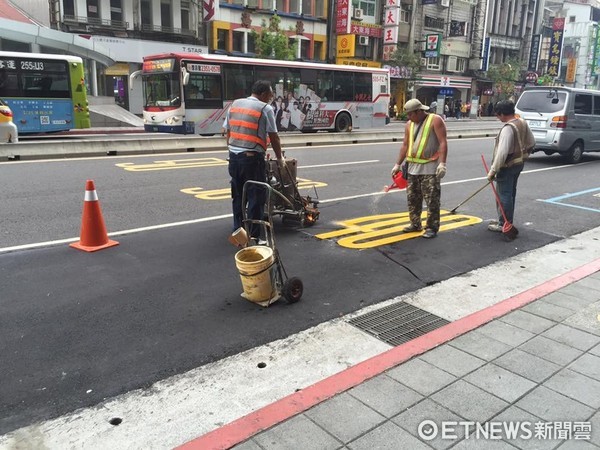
(556,41)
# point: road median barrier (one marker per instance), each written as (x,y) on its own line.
(172,143)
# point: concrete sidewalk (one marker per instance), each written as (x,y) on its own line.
(530,362)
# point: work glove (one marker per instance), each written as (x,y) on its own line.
(281,163)
(491,175)
(397,168)
(440,172)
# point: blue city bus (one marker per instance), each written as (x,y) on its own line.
(46,93)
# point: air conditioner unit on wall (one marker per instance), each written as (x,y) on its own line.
(363,40)
(358,13)
(445,3)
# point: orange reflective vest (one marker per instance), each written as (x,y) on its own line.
(417,157)
(244,117)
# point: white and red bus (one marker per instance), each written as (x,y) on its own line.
(190,93)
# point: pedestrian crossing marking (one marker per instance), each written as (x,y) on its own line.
(223,194)
(171,164)
(385,229)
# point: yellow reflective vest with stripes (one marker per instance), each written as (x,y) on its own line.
(416,155)
(244,130)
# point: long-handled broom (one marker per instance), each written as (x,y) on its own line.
(509,231)
(453,210)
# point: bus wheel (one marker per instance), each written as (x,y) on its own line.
(343,123)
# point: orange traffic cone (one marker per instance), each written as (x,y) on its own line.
(93,234)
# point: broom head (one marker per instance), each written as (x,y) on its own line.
(509,231)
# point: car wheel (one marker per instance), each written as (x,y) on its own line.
(575,153)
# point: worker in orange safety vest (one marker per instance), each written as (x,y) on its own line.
(249,125)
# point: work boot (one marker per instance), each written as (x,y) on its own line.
(495,227)
(429,233)
(412,229)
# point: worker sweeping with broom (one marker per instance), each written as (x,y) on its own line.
(513,144)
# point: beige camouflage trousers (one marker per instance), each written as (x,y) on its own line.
(424,187)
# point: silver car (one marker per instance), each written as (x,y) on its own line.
(563,120)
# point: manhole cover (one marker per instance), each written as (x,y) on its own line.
(398,323)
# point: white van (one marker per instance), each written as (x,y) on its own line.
(563,120)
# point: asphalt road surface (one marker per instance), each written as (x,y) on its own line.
(77,328)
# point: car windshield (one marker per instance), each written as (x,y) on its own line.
(550,101)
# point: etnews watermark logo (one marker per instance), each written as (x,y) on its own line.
(428,430)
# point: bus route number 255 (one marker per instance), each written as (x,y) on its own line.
(32,65)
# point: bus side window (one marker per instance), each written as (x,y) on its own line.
(344,86)
(363,87)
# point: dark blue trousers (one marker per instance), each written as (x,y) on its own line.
(506,185)
(243,167)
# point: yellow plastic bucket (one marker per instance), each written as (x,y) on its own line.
(253,264)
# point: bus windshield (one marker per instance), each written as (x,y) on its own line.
(162,90)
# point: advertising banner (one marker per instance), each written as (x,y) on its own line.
(346,46)
(432,45)
(556,41)
(534,52)
(342,17)
(485,57)
(210,9)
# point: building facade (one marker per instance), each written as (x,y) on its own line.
(456,40)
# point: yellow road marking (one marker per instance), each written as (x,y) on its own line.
(173,164)
(223,194)
(385,229)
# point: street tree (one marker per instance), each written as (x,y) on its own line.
(403,57)
(504,77)
(271,42)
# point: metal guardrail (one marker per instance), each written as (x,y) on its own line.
(170,143)
(95,21)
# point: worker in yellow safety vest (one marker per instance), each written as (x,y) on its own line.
(424,149)
(249,125)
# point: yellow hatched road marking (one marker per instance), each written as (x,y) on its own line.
(223,194)
(385,229)
(173,164)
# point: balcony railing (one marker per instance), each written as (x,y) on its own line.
(161,29)
(94,21)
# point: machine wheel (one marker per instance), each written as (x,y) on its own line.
(575,153)
(292,289)
(548,152)
(343,123)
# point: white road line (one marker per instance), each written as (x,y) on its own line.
(225,216)
(115,233)
(339,164)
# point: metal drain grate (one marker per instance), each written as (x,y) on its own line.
(398,323)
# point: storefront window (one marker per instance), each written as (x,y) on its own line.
(223,39)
